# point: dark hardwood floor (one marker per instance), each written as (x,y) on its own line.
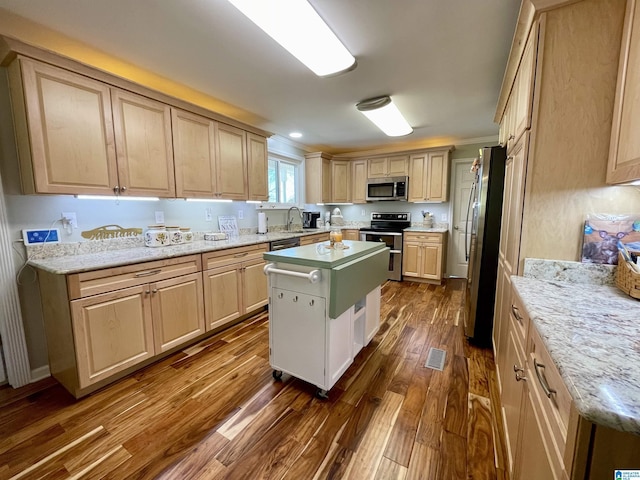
(214,411)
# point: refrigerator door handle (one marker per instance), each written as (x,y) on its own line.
(466,223)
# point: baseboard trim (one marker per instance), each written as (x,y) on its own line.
(40,373)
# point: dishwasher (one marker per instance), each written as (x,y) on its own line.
(284,243)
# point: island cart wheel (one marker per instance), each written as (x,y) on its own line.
(277,374)
(323,394)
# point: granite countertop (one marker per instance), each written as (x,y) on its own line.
(592,332)
(319,256)
(72,263)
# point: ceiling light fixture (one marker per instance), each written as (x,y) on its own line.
(296,26)
(385,115)
(295,135)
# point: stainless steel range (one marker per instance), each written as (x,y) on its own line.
(387,228)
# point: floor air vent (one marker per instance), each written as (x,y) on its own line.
(436,359)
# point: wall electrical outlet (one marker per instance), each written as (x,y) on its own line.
(240,214)
(363,212)
(160,217)
(443,217)
(208,214)
(71,218)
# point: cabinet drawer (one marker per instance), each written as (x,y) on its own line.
(542,374)
(519,318)
(423,237)
(221,258)
(320,237)
(86,284)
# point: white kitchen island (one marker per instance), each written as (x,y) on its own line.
(324,306)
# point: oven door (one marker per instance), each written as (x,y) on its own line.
(393,240)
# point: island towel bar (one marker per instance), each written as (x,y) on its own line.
(313,276)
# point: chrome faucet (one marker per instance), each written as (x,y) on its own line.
(290,220)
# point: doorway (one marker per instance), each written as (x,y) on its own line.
(462,179)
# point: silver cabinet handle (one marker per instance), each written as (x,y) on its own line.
(155,290)
(147,292)
(456,227)
(311,303)
(238,255)
(116,189)
(512,136)
(519,373)
(295,299)
(123,189)
(516,313)
(543,381)
(148,273)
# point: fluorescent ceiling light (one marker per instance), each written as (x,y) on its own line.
(296,26)
(385,115)
(218,200)
(117,198)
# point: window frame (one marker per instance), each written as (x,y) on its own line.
(298,163)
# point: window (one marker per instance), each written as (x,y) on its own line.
(283,181)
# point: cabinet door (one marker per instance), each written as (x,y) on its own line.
(64,130)
(431,261)
(411,259)
(398,166)
(143,145)
(534,462)
(372,314)
(112,332)
(326,181)
(523,96)
(437,180)
(231,166)
(359,181)
(377,168)
(518,159)
(178,311)
(194,154)
(511,398)
(624,150)
(351,234)
(418,177)
(257,167)
(254,286)
(222,295)
(341,181)
(297,326)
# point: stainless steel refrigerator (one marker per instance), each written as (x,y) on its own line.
(484,215)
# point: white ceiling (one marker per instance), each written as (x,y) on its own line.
(442,61)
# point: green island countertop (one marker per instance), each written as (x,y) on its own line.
(319,255)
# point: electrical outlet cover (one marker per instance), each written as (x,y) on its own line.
(160,217)
(35,237)
(71,216)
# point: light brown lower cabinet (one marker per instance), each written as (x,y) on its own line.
(350,234)
(423,256)
(103,324)
(234,284)
(546,437)
(315,238)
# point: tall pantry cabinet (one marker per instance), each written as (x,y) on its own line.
(555,113)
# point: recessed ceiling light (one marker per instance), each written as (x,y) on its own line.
(297,27)
(385,115)
(295,135)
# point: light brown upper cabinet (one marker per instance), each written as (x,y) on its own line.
(69,144)
(429,177)
(64,130)
(257,167)
(317,174)
(341,181)
(394,166)
(144,148)
(194,151)
(359,181)
(624,151)
(231,162)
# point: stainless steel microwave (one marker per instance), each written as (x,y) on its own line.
(390,188)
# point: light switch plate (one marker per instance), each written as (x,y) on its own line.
(35,237)
(160,217)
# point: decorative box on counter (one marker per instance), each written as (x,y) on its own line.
(213,236)
(627,279)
